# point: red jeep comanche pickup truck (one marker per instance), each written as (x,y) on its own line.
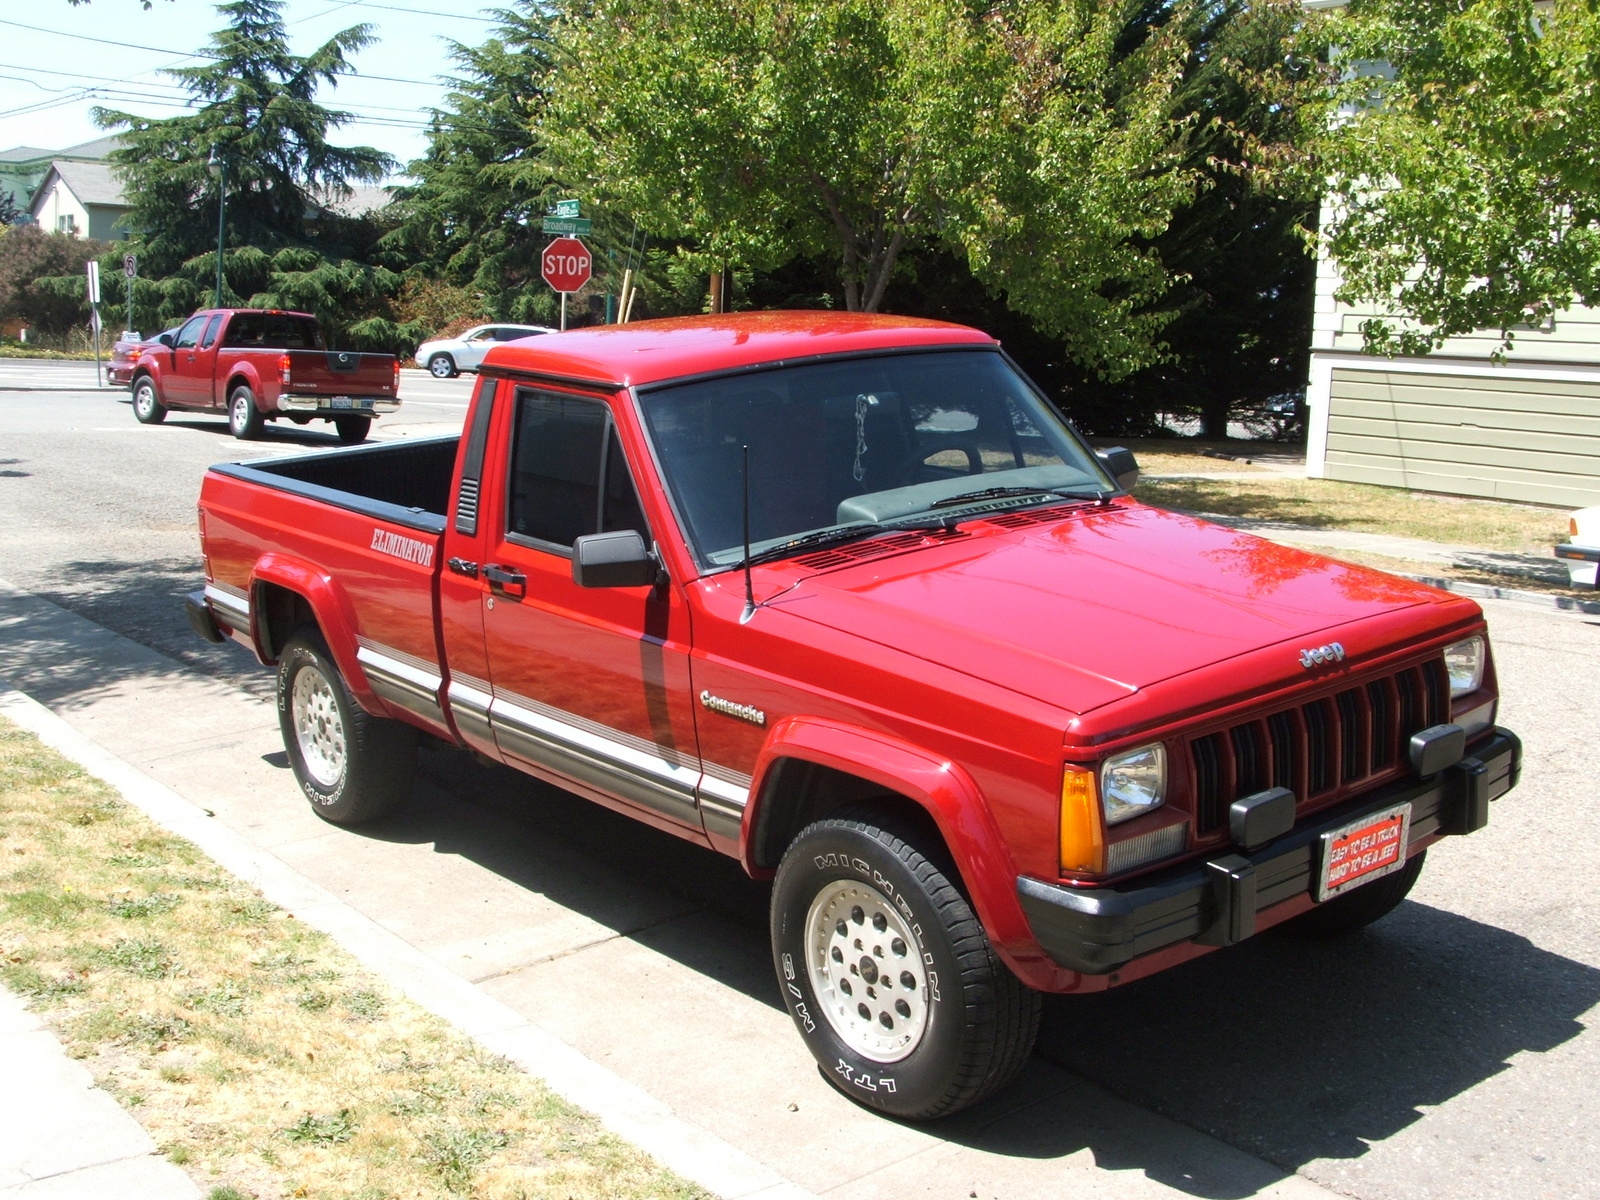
(258,365)
(843,596)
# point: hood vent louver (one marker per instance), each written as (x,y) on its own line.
(854,552)
(1023,518)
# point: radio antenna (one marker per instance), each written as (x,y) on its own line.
(749,593)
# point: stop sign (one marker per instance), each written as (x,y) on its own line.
(566,264)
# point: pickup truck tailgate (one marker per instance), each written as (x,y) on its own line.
(342,373)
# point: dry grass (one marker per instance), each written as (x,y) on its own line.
(1325,504)
(1184,456)
(255,1051)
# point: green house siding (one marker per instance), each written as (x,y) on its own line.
(1521,438)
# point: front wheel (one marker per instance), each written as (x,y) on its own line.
(351,765)
(352,430)
(147,406)
(244,418)
(887,971)
(442,366)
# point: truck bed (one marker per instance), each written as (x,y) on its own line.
(406,483)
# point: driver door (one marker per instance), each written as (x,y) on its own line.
(181,383)
(590,685)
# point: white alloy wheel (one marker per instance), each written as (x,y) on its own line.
(866,968)
(318,727)
(441,366)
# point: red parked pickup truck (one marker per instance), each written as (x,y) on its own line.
(258,365)
(844,597)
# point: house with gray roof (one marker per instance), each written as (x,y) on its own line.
(81,198)
(23,168)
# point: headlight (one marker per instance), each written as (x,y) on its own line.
(1133,782)
(1463,661)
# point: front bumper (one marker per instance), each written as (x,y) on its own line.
(324,406)
(1215,903)
(1582,562)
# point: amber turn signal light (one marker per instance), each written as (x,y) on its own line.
(1083,839)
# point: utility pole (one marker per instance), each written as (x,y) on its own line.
(217,168)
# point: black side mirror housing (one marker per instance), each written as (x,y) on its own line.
(166,339)
(619,559)
(1124,468)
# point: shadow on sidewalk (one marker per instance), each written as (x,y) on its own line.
(1291,1051)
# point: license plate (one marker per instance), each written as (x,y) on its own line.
(342,402)
(1364,850)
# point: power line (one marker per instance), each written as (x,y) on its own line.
(83,37)
(171,89)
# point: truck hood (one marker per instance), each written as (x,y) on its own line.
(1090,608)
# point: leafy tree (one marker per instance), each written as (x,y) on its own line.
(258,113)
(1465,168)
(1237,252)
(1021,137)
(10,210)
(473,215)
(31,261)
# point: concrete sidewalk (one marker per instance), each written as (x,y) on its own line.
(61,1137)
(650,1010)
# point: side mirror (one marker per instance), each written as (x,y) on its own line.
(619,559)
(166,339)
(1124,468)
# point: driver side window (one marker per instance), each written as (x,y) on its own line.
(190,333)
(568,473)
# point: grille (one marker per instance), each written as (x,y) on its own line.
(1319,749)
(851,552)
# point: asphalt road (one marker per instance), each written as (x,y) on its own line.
(1447,1052)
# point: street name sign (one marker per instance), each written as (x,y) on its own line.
(567,225)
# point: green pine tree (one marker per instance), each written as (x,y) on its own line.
(473,216)
(259,116)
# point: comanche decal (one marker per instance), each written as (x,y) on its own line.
(398,546)
(728,708)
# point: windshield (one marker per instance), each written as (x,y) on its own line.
(856,443)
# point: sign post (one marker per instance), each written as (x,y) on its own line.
(130,272)
(92,270)
(566,266)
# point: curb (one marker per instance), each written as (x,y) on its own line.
(1484,591)
(622,1107)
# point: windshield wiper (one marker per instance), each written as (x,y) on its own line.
(1008,493)
(837,536)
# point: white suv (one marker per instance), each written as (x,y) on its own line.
(448,357)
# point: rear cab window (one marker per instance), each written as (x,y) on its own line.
(273,331)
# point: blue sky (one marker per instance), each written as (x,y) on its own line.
(58,61)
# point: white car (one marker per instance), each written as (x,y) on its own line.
(448,357)
(1582,550)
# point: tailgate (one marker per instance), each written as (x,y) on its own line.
(342,373)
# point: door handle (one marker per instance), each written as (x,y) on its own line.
(505,582)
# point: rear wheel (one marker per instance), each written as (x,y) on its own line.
(244,418)
(442,366)
(1358,909)
(147,406)
(351,765)
(887,971)
(352,430)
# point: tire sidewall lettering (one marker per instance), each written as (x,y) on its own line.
(893,1087)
